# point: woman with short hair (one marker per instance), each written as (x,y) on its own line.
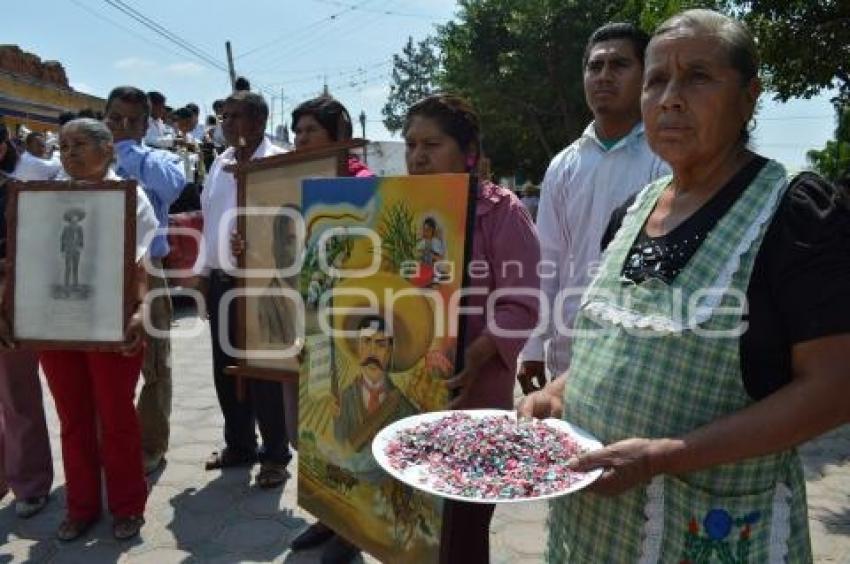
(701,407)
(93,390)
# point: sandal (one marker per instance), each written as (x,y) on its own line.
(124,528)
(228,458)
(71,529)
(272,475)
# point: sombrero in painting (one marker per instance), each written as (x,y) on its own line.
(74,214)
(410,318)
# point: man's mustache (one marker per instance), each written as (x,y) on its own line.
(373,361)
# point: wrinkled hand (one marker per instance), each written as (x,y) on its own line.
(6,340)
(529,371)
(237,244)
(541,405)
(134,335)
(627,464)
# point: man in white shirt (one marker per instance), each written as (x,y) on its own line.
(33,165)
(197,128)
(584,184)
(243,122)
(159,135)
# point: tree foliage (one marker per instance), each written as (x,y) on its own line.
(833,161)
(414,75)
(519,62)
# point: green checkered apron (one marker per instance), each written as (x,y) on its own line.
(657,360)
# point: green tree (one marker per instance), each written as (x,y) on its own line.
(804,44)
(519,63)
(414,76)
(833,161)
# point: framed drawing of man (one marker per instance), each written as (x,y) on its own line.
(271,225)
(71,254)
(382,279)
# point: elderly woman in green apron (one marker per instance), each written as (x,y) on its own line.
(716,336)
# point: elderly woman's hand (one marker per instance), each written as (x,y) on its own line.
(541,404)
(548,402)
(626,464)
(134,335)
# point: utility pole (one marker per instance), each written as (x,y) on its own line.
(363,130)
(230,64)
(271,116)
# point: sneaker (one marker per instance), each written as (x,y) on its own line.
(26,508)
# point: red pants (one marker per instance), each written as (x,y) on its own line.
(90,388)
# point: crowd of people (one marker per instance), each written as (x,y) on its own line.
(701,327)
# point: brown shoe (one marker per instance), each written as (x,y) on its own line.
(272,475)
(71,529)
(228,458)
(124,528)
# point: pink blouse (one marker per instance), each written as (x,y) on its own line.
(505,256)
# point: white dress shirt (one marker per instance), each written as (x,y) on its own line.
(583,185)
(30,167)
(217,198)
(158,134)
(199,131)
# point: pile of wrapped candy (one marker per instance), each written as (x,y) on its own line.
(490,457)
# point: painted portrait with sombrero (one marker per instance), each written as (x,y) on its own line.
(410,318)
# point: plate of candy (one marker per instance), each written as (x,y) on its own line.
(485,455)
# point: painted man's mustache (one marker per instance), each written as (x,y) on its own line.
(372,361)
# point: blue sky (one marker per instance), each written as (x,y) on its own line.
(294,45)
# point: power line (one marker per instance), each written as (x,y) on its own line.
(303,31)
(300,46)
(316,40)
(376,10)
(166,33)
(112,22)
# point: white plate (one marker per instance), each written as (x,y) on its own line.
(417,476)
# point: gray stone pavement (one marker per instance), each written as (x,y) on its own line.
(220,517)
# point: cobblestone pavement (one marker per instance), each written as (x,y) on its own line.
(220,517)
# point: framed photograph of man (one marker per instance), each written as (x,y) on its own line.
(271,225)
(71,257)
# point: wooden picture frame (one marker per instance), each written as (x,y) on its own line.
(272,183)
(86,302)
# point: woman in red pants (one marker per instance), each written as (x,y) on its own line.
(93,391)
